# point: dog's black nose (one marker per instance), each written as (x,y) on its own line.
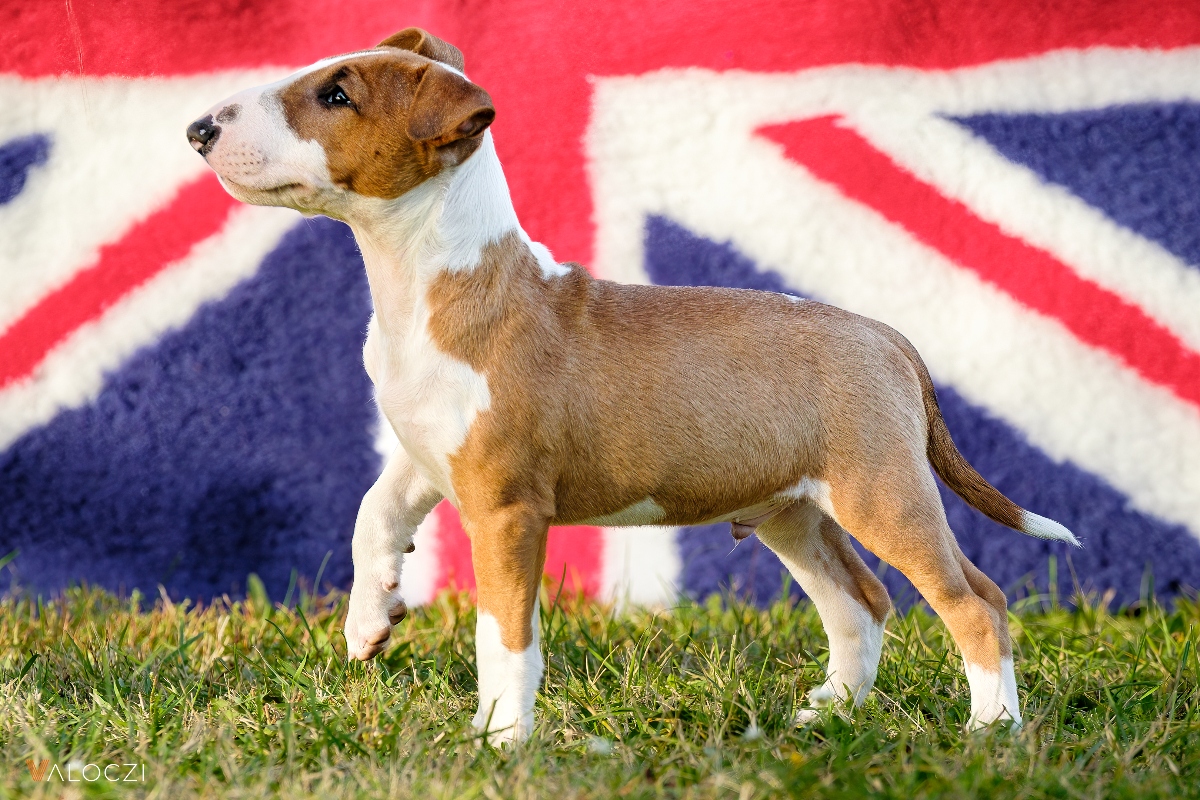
(203,133)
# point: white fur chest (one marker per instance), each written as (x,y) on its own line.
(429,398)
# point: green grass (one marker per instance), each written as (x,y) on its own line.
(252,699)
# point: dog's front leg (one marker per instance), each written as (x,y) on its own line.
(390,512)
(508,552)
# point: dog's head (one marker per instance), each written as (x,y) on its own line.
(375,123)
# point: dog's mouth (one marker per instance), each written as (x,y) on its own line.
(280,189)
(286,188)
(284,194)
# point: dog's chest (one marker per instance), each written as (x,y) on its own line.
(430,399)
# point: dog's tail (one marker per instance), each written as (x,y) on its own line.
(957,473)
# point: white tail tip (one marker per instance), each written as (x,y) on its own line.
(1044,528)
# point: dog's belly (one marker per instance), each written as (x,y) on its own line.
(643,512)
(648,512)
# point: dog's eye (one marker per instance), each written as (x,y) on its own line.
(335,97)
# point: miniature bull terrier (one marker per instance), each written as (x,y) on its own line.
(530,394)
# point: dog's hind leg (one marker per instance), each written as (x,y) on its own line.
(388,517)
(993,692)
(853,604)
(897,514)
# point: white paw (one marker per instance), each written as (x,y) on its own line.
(993,695)
(806,716)
(504,727)
(991,716)
(374,609)
(822,696)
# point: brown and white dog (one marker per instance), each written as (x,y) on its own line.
(530,394)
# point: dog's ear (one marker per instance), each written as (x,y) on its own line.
(426,44)
(450,113)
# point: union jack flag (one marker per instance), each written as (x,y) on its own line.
(182,400)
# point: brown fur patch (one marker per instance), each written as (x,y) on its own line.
(409,119)
(586,376)
(508,553)
(426,44)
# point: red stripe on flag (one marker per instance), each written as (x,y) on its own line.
(453,549)
(572,554)
(197,211)
(1033,277)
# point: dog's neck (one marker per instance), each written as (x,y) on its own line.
(441,225)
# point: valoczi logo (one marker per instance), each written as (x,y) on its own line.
(79,772)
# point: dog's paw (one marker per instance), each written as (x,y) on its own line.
(823,695)
(806,716)
(374,609)
(997,718)
(508,731)
(819,698)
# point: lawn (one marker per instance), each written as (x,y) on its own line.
(253,699)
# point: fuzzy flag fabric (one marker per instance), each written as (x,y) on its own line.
(1014,187)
